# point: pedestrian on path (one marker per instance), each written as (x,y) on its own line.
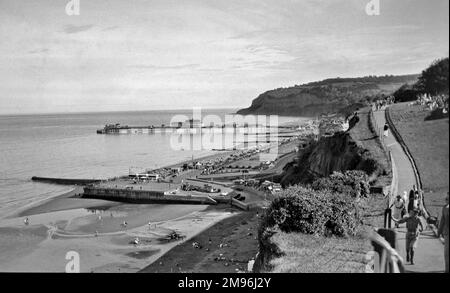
(443,230)
(386,130)
(413,226)
(399,209)
(413,201)
(405,196)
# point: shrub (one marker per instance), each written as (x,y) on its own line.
(354,183)
(406,93)
(320,212)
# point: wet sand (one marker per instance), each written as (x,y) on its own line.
(226,247)
(104,245)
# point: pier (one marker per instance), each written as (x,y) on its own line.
(65,181)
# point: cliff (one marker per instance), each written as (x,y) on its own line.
(337,153)
(341,95)
(355,149)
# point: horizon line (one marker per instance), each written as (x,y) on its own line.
(113,111)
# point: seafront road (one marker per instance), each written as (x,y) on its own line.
(429,255)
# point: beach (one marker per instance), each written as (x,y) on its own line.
(103,243)
(226,247)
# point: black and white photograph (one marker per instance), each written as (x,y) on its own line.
(249,138)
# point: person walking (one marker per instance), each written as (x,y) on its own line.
(413,201)
(413,226)
(399,209)
(443,230)
(386,130)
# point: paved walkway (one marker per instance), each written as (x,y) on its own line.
(429,256)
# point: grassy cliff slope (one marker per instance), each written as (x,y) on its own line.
(328,96)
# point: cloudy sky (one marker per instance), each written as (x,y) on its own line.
(166,54)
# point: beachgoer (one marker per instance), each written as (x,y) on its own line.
(443,230)
(26,221)
(399,209)
(413,226)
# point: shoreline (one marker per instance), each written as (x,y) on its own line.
(94,228)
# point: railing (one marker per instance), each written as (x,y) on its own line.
(388,261)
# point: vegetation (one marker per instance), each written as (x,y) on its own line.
(309,211)
(433,80)
(354,183)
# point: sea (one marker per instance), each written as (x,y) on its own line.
(68,146)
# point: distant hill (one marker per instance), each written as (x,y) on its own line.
(335,95)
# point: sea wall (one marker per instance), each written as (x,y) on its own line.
(144,196)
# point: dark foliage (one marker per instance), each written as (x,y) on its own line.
(353,183)
(406,93)
(309,211)
(434,79)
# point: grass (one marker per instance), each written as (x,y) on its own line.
(428,142)
(310,254)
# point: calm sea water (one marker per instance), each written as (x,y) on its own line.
(67,145)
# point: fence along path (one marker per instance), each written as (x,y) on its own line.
(429,256)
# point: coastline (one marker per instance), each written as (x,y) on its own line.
(66,220)
(94,229)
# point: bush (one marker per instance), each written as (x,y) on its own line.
(320,212)
(406,93)
(353,183)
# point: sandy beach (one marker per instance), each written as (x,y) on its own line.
(226,247)
(103,243)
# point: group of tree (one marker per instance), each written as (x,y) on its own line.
(433,80)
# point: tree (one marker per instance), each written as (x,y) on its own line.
(434,79)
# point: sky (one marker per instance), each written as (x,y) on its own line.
(166,54)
